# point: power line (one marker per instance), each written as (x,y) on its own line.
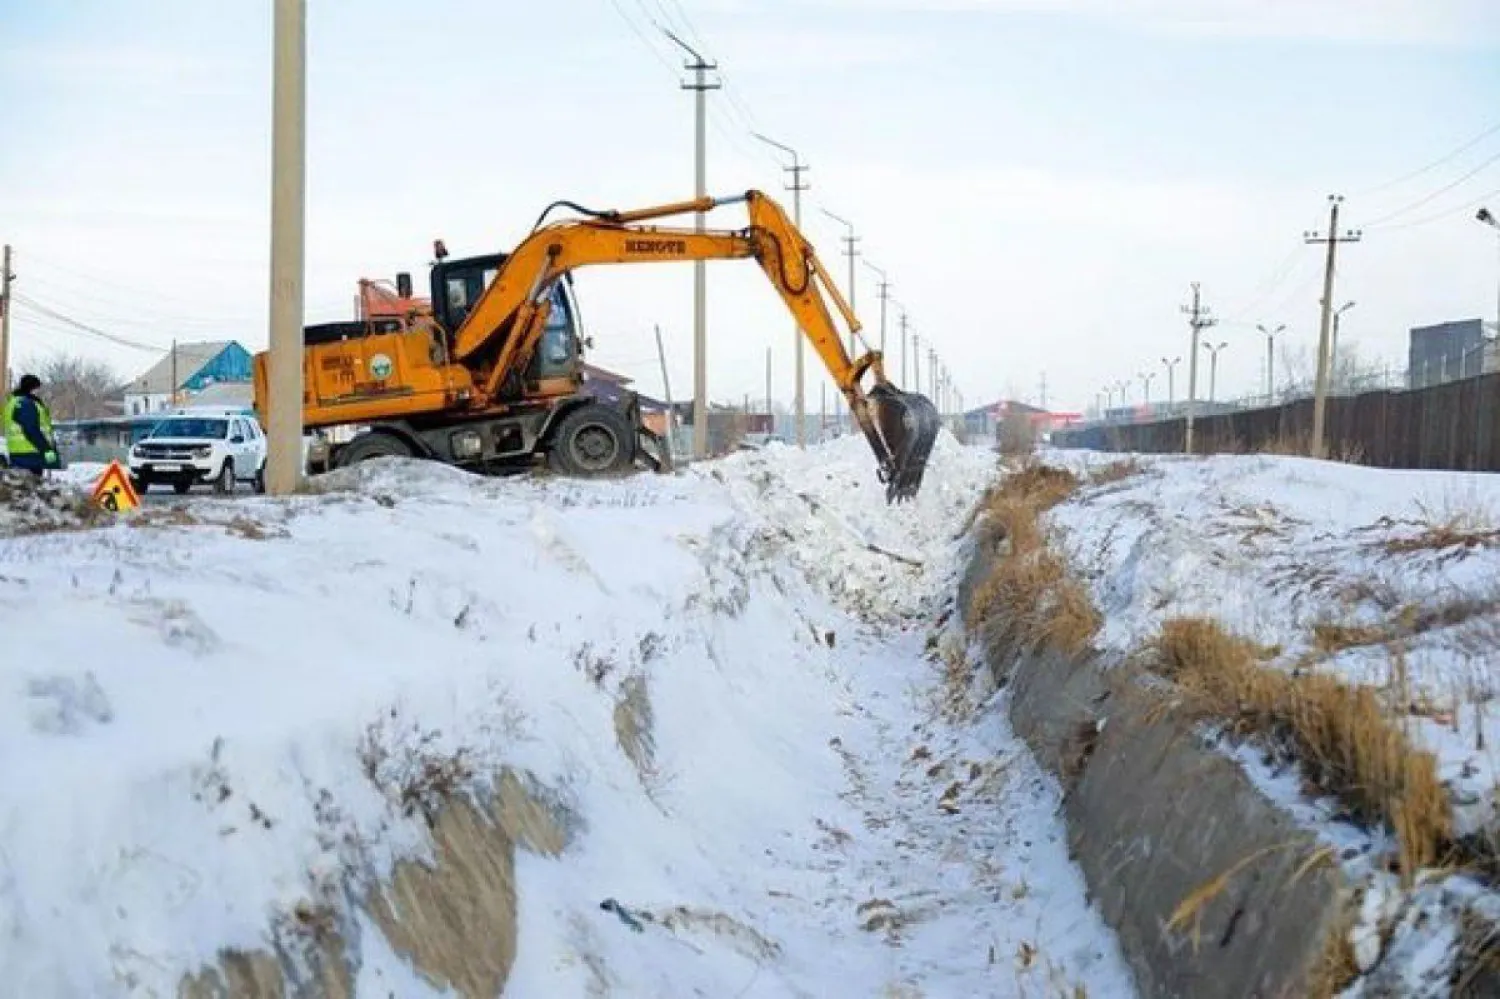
(1434,164)
(36,306)
(1435,194)
(644,39)
(1465,207)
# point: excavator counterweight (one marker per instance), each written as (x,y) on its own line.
(487,373)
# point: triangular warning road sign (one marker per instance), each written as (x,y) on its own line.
(114,492)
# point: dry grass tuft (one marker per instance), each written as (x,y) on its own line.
(1346,741)
(1029,599)
(1299,445)
(1115,471)
(1445,536)
(1330,637)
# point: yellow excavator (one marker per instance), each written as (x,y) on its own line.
(489,376)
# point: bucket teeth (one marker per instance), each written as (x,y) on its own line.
(908,425)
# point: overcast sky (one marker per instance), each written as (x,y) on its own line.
(1041,179)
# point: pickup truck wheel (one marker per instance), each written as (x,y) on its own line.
(140,484)
(224,483)
(373,445)
(593,440)
(181,487)
(260,480)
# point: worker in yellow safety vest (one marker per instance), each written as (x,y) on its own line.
(28,429)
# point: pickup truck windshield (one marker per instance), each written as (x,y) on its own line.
(190,429)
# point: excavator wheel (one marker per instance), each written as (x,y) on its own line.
(593,440)
(372,445)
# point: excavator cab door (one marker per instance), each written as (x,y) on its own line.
(557,354)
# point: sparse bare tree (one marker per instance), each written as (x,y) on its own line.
(1352,373)
(76,387)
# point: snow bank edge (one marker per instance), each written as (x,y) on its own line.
(1154,816)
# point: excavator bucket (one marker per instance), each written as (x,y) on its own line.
(908,424)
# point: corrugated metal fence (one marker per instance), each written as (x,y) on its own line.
(1449,426)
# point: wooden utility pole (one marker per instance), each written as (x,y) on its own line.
(288,220)
(1200,319)
(1331,239)
(6,277)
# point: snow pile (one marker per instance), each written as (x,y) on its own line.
(1386,578)
(29,505)
(234,727)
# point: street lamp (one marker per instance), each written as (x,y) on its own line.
(1170,364)
(1333,349)
(1146,377)
(1270,360)
(1488,218)
(1213,365)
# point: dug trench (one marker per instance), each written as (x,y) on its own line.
(1213,888)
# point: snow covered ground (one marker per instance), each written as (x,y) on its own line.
(1386,577)
(193,697)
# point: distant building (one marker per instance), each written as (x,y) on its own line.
(983,420)
(186,371)
(1445,352)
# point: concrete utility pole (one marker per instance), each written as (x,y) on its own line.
(916,364)
(666,387)
(1170,363)
(700,86)
(1488,218)
(173,403)
(904,328)
(1200,319)
(852,253)
(769,413)
(1325,326)
(288,220)
(1213,366)
(932,368)
(1042,393)
(797,186)
(884,288)
(1270,360)
(6,277)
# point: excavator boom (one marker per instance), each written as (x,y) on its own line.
(501,332)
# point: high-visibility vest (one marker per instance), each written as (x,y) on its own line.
(15,437)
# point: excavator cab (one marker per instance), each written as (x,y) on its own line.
(457,286)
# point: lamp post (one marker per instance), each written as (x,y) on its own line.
(1270,360)
(1146,377)
(1333,346)
(1213,365)
(1488,218)
(1170,363)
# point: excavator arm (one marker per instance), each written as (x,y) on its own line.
(501,332)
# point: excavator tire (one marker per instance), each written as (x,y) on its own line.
(372,445)
(593,440)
